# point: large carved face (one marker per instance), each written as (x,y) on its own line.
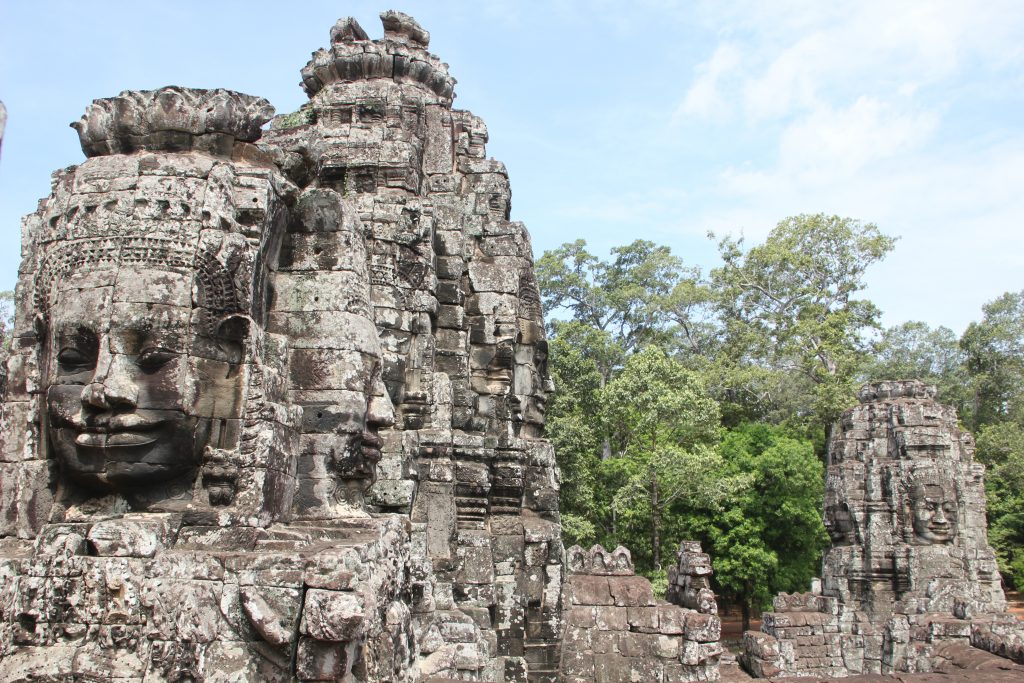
(135,379)
(933,512)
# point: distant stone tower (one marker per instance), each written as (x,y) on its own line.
(910,565)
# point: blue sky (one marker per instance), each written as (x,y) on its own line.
(660,120)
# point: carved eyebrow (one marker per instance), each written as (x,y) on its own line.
(77,332)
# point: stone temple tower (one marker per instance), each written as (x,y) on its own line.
(458,314)
(275,405)
(909,567)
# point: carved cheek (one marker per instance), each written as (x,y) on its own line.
(63,402)
(212,388)
(164,389)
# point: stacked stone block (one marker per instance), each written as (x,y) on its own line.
(910,568)
(374,329)
(616,630)
(801,634)
(689,582)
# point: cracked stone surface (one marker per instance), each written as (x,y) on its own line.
(909,571)
(276,403)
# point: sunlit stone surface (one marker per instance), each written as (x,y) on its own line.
(910,568)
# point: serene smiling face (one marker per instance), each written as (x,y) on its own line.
(934,512)
(134,382)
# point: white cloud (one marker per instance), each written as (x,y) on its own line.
(829,144)
(872,110)
(704,99)
(801,54)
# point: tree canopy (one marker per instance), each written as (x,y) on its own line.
(693,406)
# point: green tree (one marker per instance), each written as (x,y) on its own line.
(663,427)
(769,534)
(1001,449)
(790,303)
(577,355)
(994,348)
(644,295)
(914,350)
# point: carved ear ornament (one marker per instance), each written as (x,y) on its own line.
(220,475)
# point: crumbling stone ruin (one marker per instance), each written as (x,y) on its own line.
(910,570)
(615,629)
(274,411)
(276,401)
(689,582)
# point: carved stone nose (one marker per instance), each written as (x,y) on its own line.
(380,411)
(94,395)
(111,386)
(110,394)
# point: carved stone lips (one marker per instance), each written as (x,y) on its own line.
(113,439)
(119,430)
(371,446)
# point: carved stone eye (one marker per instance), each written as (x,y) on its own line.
(73,359)
(154,358)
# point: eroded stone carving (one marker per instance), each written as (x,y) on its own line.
(280,396)
(910,566)
(689,582)
(932,508)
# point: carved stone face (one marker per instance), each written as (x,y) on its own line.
(134,382)
(934,513)
(839,523)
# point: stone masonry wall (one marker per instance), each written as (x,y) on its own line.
(615,629)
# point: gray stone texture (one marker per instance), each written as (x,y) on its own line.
(616,630)
(909,571)
(276,400)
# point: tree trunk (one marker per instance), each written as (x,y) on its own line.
(745,608)
(606,444)
(655,523)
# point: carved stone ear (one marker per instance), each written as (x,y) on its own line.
(234,327)
(232,331)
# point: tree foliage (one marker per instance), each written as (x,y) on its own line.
(769,535)
(913,350)
(790,303)
(663,428)
(994,349)
(1001,449)
(644,357)
(994,360)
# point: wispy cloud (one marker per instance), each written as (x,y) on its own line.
(872,109)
